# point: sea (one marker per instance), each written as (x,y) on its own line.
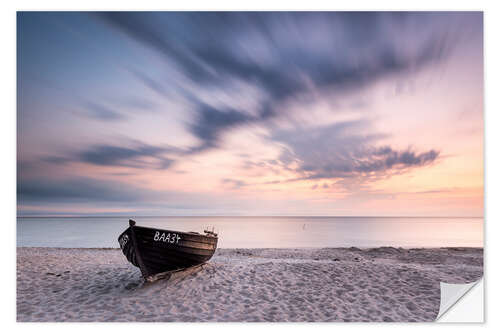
(261,232)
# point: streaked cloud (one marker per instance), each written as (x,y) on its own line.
(101,112)
(136,155)
(313,112)
(283,54)
(78,189)
(345,150)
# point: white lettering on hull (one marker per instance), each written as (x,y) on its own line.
(167,237)
(123,241)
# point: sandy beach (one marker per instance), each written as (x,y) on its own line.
(330,284)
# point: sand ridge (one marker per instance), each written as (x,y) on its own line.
(330,284)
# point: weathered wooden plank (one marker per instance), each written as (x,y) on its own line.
(142,266)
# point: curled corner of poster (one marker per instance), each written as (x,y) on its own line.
(462,302)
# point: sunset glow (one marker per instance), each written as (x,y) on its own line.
(351,114)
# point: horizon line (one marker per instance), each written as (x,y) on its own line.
(250,216)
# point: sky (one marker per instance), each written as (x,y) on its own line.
(250,113)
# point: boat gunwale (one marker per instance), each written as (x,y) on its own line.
(214,239)
(167,245)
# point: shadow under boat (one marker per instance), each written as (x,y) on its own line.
(160,253)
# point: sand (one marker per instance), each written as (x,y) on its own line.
(344,284)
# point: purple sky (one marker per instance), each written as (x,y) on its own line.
(247,113)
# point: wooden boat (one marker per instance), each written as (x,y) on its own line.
(159,252)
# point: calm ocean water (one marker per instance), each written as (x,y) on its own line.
(255,232)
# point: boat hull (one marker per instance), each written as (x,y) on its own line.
(157,251)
